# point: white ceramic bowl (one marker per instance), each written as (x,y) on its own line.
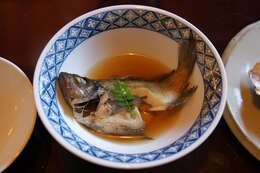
(242,110)
(17,112)
(122,29)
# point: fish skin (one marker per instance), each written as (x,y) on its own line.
(161,94)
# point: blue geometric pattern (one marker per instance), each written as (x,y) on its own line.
(129,18)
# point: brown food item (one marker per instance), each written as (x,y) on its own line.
(254,75)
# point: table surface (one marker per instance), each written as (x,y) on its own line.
(27,25)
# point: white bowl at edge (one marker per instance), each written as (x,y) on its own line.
(17,112)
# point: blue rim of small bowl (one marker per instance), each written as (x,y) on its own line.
(118,17)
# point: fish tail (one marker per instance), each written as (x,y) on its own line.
(187,55)
(178,79)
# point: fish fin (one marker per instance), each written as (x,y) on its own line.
(185,95)
(139,99)
(164,76)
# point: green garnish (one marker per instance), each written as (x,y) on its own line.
(124,97)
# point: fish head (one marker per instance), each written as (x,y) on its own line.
(78,90)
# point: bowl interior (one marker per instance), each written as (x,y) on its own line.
(113,31)
(140,41)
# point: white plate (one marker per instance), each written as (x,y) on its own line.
(243,106)
(17,112)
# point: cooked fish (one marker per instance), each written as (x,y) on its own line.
(95,105)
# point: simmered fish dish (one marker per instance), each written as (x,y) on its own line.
(112,106)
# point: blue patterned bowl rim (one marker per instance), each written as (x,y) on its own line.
(128,16)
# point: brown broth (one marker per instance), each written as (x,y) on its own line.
(140,66)
(128,65)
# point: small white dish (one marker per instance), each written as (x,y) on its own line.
(242,112)
(17,112)
(112,31)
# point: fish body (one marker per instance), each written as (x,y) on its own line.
(94,104)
